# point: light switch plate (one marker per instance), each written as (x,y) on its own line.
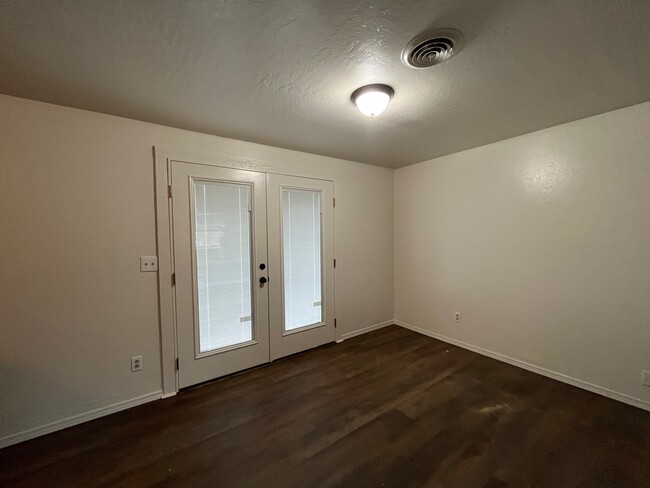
(148,263)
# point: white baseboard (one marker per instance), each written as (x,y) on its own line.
(77,419)
(365,330)
(103,411)
(621,397)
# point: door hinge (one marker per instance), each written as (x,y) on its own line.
(177,363)
(169,191)
(173,279)
(334,202)
(335,323)
(335,263)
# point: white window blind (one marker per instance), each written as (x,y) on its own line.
(223,264)
(301,247)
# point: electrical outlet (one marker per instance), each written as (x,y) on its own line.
(645,378)
(136,363)
(148,263)
(457,317)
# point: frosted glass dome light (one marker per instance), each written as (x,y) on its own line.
(372,100)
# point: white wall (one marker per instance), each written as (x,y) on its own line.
(542,242)
(77,211)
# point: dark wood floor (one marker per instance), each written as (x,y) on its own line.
(389,408)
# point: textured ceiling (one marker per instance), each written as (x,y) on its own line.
(281,72)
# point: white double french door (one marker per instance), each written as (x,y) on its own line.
(253,266)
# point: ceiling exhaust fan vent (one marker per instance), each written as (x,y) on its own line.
(432,48)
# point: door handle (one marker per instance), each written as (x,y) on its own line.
(263,280)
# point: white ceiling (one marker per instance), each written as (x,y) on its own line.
(281,72)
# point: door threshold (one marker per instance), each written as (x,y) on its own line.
(253,368)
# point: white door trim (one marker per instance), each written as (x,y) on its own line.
(164,236)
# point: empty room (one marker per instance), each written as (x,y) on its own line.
(319,243)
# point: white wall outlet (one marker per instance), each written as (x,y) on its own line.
(645,378)
(136,363)
(148,263)
(457,317)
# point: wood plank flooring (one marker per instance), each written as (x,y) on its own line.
(391,408)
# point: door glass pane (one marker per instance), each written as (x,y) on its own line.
(222,241)
(301,251)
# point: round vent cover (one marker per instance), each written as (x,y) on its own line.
(431,48)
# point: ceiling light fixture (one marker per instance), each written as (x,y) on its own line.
(372,100)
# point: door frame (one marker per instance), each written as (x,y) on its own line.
(282,162)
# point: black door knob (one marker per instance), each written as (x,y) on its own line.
(262,266)
(263,280)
